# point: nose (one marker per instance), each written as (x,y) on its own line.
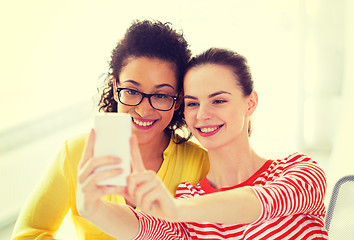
(204,113)
(144,108)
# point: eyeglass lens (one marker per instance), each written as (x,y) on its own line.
(157,101)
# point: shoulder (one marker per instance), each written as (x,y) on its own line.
(294,160)
(77,141)
(299,164)
(73,147)
(193,156)
(183,162)
(191,149)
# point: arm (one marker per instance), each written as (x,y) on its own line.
(298,189)
(43,212)
(114,219)
(118,221)
(150,195)
(235,206)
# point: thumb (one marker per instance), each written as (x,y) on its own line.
(137,162)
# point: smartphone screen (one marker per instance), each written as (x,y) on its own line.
(113,131)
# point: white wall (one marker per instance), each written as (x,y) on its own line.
(342,160)
(53,52)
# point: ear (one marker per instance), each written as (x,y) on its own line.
(179,100)
(115,93)
(252,103)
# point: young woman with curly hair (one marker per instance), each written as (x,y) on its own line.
(149,62)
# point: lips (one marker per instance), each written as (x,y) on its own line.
(208,131)
(143,123)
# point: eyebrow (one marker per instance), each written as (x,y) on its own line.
(156,86)
(210,95)
(132,81)
(164,85)
(218,93)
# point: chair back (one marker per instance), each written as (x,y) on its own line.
(340,213)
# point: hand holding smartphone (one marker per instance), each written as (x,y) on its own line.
(113,131)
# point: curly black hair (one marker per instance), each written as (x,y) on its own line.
(152,39)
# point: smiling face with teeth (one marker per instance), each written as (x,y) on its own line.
(216,109)
(150,76)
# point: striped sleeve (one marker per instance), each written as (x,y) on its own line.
(155,228)
(300,189)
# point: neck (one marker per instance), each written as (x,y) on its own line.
(152,152)
(232,164)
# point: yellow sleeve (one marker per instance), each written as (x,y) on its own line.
(44,211)
(48,204)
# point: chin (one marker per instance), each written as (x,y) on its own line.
(211,145)
(144,138)
(208,144)
(147,137)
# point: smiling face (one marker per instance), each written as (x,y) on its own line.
(216,109)
(150,76)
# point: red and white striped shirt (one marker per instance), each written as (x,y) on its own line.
(291,191)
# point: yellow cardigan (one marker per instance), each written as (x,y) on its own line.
(46,208)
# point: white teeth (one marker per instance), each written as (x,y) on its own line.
(206,130)
(143,124)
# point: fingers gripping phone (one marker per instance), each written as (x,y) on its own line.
(113,131)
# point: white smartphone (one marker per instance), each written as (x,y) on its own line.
(113,131)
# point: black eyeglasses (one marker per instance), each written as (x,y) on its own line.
(161,102)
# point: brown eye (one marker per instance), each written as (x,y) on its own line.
(219,101)
(161,96)
(191,104)
(131,92)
